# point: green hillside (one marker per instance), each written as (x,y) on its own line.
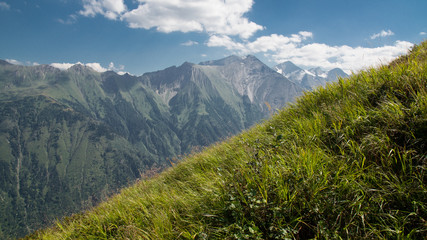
(344,162)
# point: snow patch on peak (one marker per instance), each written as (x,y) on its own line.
(309,73)
(308,78)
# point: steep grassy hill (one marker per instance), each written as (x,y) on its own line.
(344,162)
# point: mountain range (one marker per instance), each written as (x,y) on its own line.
(311,78)
(70,138)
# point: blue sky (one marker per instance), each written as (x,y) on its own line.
(139,36)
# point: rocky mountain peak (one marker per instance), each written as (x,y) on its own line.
(287,67)
(187,65)
(80,68)
(308,79)
(316,71)
(223,61)
(336,72)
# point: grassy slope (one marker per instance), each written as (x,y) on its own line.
(345,161)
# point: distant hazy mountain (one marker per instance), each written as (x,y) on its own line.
(69,138)
(252,78)
(308,79)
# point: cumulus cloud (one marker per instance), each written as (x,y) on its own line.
(189,43)
(211,16)
(423,33)
(383,33)
(110,9)
(280,48)
(227,42)
(63,66)
(118,69)
(4,6)
(95,66)
(273,43)
(345,57)
(276,42)
(13,61)
(26,63)
(305,34)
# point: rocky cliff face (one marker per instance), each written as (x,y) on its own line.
(252,78)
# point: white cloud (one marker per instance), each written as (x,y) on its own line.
(306,34)
(423,33)
(281,48)
(4,6)
(227,42)
(110,9)
(212,16)
(273,43)
(26,63)
(13,61)
(123,73)
(118,69)
(189,43)
(63,66)
(95,66)
(383,33)
(345,57)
